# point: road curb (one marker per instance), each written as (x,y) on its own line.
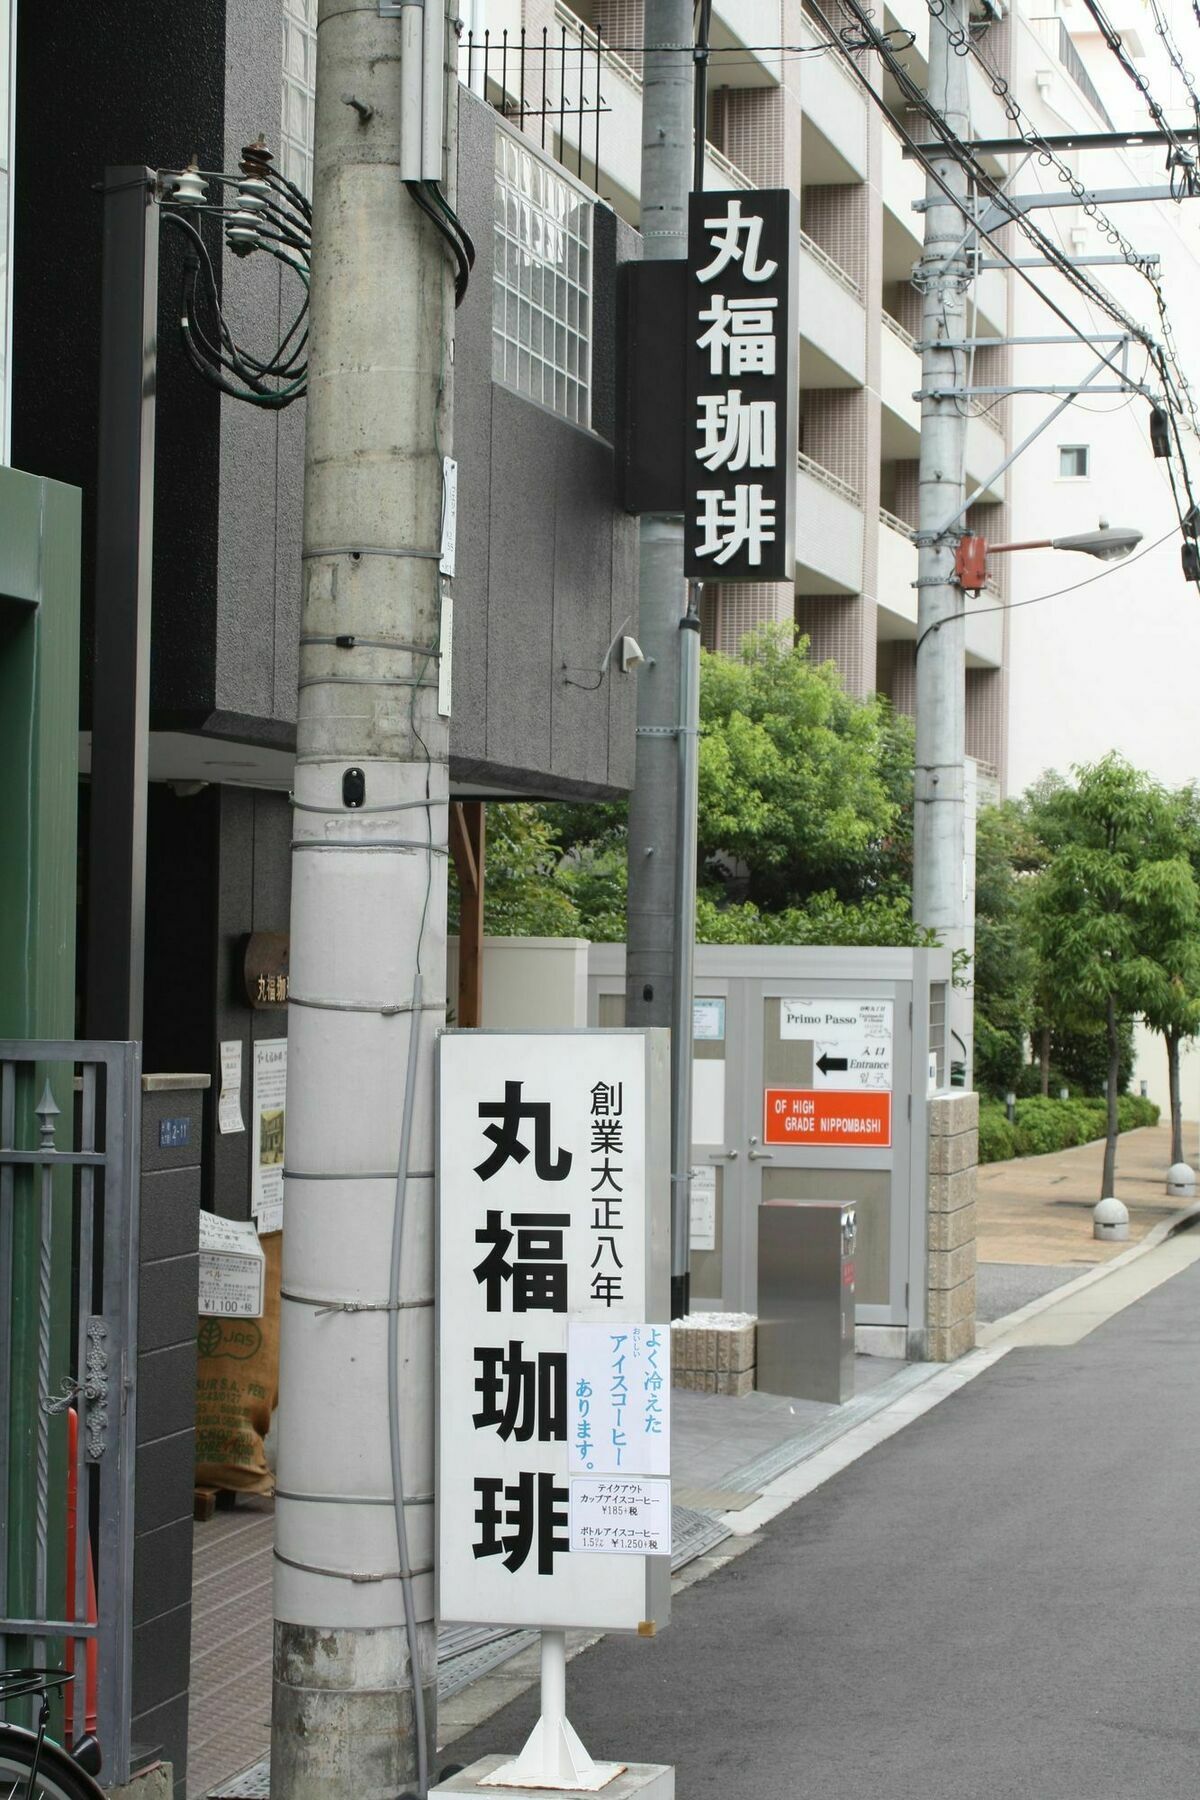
(987,1335)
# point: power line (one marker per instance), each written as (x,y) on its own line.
(1029,134)
(1181,164)
(955,148)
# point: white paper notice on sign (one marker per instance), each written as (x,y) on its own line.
(620,1515)
(703,1232)
(232,1268)
(229,1104)
(267,1142)
(619,1399)
(851,1040)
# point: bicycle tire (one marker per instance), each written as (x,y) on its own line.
(58,1778)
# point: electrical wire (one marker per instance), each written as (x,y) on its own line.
(433,203)
(1181,163)
(961,153)
(1030,135)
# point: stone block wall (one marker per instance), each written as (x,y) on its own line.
(950,1262)
(716,1357)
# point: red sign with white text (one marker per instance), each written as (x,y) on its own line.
(861,1119)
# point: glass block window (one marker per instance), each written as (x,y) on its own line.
(299,91)
(542,295)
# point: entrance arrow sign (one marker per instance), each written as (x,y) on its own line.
(826,1063)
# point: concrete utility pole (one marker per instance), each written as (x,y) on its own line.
(655,808)
(355,1633)
(943,277)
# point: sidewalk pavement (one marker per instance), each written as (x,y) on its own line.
(999,1601)
(1038,1209)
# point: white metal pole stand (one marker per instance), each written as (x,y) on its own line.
(553,1756)
(943,275)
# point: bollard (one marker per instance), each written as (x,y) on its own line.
(1110,1219)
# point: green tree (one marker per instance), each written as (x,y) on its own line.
(1174,1010)
(1111,893)
(1006,964)
(805,820)
(803,789)
(523,895)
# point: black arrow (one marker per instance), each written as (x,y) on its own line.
(826,1063)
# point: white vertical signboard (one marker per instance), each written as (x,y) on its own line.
(554,1348)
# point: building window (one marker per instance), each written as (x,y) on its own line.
(1074,462)
(8,39)
(542,294)
(299,91)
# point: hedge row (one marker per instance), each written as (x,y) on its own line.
(1043,1125)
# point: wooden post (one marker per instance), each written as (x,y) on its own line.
(468,830)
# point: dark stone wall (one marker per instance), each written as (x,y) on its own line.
(166,1413)
(547,560)
(134,82)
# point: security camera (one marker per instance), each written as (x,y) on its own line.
(630,654)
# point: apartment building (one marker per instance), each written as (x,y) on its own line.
(782,113)
(1110,666)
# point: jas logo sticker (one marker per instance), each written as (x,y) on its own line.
(235,1338)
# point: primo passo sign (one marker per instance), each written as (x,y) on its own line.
(554,1348)
(742,386)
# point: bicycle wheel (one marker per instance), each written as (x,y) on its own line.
(58,1778)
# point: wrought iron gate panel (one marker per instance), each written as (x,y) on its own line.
(102,1107)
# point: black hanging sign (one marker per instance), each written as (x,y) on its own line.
(742,386)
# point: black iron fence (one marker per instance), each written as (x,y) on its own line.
(549,84)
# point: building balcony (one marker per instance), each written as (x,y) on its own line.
(900,420)
(833,350)
(984,631)
(833,143)
(983,627)
(899,379)
(737,27)
(829,532)
(986,447)
(896,596)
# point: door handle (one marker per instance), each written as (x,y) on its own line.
(719,1155)
(762,1156)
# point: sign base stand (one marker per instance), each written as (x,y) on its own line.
(636,1781)
(554,1756)
(554,1759)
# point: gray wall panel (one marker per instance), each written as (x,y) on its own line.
(520,584)
(583,542)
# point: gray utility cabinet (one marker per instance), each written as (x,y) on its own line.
(806,1299)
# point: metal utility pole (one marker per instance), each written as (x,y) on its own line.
(656,878)
(355,1633)
(943,277)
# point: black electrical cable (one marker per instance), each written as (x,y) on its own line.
(960,153)
(433,204)
(210,358)
(1180,161)
(1034,139)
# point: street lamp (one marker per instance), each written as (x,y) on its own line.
(1109,543)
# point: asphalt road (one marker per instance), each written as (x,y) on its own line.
(999,1602)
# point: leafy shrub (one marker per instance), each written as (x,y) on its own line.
(997,1142)
(1044,1125)
(1133,1111)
